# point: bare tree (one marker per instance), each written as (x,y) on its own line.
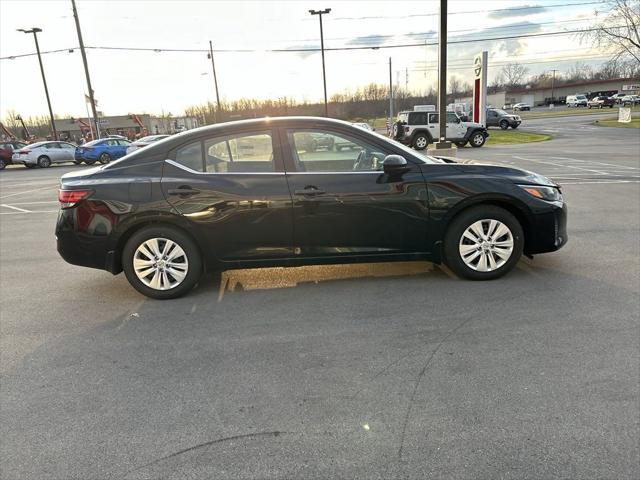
(455,86)
(578,72)
(513,74)
(618,31)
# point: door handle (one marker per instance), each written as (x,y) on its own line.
(183,191)
(309,192)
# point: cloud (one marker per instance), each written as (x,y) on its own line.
(370,40)
(518,12)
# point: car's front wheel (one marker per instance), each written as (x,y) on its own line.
(504,124)
(483,243)
(477,139)
(162,262)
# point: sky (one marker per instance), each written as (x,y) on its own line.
(163,81)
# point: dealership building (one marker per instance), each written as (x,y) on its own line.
(130,126)
(542,95)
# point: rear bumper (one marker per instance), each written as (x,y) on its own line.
(78,248)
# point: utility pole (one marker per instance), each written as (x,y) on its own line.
(406,80)
(324,75)
(35,31)
(215,78)
(390,95)
(442,78)
(86,69)
(553,81)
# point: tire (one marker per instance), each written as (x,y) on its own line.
(2,164)
(89,162)
(78,162)
(589,107)
(498,260)
(460,144)
(44,162)
(104,158)
(420,141)
(514,126)
(189,259)
(504,124)
(477,140)
(28,165)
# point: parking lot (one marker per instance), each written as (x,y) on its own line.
(362,371)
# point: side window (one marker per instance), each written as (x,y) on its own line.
(452,118)
(433,118)
(418,118)
(322,151)
(248,153)
(190,156)
(124,143)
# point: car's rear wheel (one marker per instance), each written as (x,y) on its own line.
(105,158)
(44,162)
(161,262)
(77,162)
(483,243)
(477,140)
(504,124)
(2,164)
(420,141)
(89,162)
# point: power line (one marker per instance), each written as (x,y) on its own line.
(525,7)
(309,50)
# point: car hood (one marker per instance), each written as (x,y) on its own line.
(516,175)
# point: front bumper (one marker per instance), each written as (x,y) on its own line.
(548,231)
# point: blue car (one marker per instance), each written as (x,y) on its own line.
(103,150)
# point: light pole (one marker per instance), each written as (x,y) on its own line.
(86,70)
(553,81)
(324,75)
(35,31)
(215,78)
(442,79)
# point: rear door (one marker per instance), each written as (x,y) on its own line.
(67,152)
(345,205)
(232,188)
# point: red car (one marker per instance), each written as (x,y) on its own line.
(6,151)
(601,102)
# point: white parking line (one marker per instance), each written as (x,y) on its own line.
(598,163)
(15,208)
(26,191)
(562,165)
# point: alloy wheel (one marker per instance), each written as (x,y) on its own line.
(421,142)
(486,245)
(160,263)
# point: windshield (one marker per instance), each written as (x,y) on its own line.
(500,112)
(580,97)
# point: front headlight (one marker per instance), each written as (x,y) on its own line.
(550,194)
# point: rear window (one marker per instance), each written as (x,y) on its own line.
(418,118)
(581,97)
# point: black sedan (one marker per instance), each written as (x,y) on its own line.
(250,194)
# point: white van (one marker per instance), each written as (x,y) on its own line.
(576,101)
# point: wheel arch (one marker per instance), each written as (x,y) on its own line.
(514,206)
(114,256)
(419,131)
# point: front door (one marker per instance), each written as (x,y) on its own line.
(233,189)
(343,203)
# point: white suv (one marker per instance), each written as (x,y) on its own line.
(576,101)
(422,128)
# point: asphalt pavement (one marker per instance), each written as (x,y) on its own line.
(365,371)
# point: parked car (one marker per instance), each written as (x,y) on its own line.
(630,100)
(6,152)
(617,97)
(497,117)
(316,141)
(520,107)
(422,128)
(172,210)
(43,154)
(143,142)
(576,101)
(103,150)
(601,102)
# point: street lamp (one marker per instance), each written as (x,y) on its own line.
(35,31)
(324,75)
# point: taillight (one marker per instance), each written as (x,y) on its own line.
(68,198)
(23,152)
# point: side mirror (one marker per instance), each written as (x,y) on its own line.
(395,164)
